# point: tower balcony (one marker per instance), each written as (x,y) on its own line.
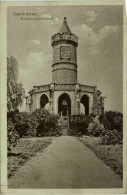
(62,87)
(64,38)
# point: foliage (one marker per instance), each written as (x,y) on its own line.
(46,124)
(113,123)
(78,125)
(24,125)
(12,135)
(112,120)
(15,95)
(102,126)
(39,123)
(15,91)
(112,137)
(12,69)
(95,128)
(42,123)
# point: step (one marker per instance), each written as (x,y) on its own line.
(64,131)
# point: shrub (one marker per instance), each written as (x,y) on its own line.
(23,123)
(79,125)
(111,138)
(95,128)
(46,123)
(12,135)
(112,120)
(113,123)
(38,123)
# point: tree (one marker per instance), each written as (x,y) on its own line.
(15,95)
(15,91)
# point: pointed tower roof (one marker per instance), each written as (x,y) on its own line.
(65,28)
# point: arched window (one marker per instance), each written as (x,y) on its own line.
(43,101)
(84,102)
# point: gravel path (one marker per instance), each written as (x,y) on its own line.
(66,163)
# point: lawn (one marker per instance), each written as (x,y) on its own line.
(110,154)
(26,148)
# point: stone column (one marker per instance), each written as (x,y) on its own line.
(51,91)
(91,99)
(27,104)
(77,99)
(50,104)
(98,103)
(77,106)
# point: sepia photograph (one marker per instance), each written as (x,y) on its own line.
(65,96)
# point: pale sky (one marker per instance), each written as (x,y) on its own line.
(99,53)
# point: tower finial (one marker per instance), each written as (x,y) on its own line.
(65,28)
(65,19)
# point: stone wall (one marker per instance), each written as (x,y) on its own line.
(96,102)
(64,65)
(57,54)
(35,102)
(64,76)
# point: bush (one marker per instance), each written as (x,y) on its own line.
(18,125)
(38,123)
(100,127)
(113,123)
(23,123)
(95,128)
(46,124)
(12,135)
(111,138)
(78,125)
(112,120)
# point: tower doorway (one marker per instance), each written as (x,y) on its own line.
(64,110)
(64,105)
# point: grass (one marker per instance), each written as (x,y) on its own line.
(111,155)
(25,149)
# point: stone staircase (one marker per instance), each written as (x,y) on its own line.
(64,124)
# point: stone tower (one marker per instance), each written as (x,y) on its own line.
(65,96)
(64,67)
